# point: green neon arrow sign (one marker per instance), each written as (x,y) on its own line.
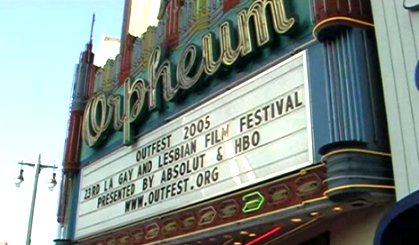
(253,202)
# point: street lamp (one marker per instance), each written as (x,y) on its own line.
(51,183)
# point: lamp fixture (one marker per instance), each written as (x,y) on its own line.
(38,166)
(19,178)
(296,220)
(337,209)
(267,234)
(53,182)
(315,214)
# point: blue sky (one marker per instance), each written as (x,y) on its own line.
(40,43)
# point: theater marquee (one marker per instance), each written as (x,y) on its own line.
(256,131)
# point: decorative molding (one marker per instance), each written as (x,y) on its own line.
(224,211)
(331,17)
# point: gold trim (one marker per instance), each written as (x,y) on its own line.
(356,150)
(359,186)
(340,18)
(314,200)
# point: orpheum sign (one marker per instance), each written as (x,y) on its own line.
(174,76)
(256,131)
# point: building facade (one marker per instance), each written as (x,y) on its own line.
(397,31)
(241,122)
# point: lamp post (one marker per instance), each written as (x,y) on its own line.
(20,179)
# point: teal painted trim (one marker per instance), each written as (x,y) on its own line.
(73,209)
(317,88)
